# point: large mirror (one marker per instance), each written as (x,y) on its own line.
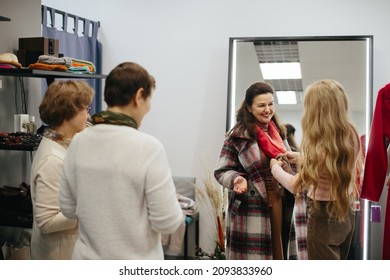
(347,59)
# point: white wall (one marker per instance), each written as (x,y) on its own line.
(184,44)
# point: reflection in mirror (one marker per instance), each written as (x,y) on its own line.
(347,59)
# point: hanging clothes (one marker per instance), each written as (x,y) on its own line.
(376,164)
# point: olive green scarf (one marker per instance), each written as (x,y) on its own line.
(108,117)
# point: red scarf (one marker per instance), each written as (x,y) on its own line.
(271,143)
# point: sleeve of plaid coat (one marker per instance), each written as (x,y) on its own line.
(228,166)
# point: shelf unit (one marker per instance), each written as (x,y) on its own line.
(48,75)
(18,219)
(19,141)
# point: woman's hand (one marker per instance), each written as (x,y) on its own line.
(275,161)
(240,185)
(292,157)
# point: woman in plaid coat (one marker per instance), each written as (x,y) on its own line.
(255,213)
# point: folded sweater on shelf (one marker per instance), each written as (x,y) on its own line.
(74,65)
(49,67)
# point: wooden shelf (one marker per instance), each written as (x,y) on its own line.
(48,75)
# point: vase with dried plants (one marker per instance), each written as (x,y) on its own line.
(216,195)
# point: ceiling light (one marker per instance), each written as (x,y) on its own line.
(289,70)
(286,97)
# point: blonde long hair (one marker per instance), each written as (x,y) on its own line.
(329,146)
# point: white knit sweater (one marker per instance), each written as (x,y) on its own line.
(117,181)
(53,235)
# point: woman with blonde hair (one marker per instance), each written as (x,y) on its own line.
(329,164)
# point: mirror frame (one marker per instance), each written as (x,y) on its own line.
(231,102)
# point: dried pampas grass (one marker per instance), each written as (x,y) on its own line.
(216,195)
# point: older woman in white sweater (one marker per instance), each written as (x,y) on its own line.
(64,109)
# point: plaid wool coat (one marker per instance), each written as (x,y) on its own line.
(248,225)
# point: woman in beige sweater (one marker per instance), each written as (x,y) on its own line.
(64,109)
